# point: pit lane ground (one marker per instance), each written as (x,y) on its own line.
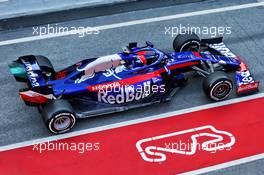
(20,123)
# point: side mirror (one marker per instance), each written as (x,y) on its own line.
(148,43)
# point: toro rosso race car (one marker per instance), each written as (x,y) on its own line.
(135,77)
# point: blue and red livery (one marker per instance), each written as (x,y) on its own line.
(135,77)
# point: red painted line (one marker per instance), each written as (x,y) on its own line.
(118,153)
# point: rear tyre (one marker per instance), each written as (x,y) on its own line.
(58,116)
(186,42)
(45,65)
(218,86)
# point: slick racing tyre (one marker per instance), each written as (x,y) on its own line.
(217,86)
(45,65)
(186,42)
(58,116)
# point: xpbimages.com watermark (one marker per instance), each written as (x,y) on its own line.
(116,93)
(55,29)
(80,147)
(192,147)
(212,31)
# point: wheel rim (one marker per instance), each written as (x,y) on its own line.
(62,123)
(221,90)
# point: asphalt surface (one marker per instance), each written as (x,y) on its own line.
(21,123)
(19,14)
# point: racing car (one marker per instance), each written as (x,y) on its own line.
(136,77)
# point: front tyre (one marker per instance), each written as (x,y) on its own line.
(218,86)
(58,116)
(187,42)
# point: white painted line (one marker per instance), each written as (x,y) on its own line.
(3,0)
(137,22)
(131,122)
(225,165)
(147,155)
(261,1)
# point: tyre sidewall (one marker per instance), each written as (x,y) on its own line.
(189,42)
(56,116)
(212,88)
(182,40)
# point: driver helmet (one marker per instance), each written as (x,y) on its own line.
(147,57)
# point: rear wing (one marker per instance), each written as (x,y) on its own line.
(26,69)
(244,80)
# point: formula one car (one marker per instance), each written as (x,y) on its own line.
(136,77)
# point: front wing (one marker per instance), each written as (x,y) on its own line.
(244,79)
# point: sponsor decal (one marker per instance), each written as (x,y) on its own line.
(104,87)
(248,87)
(221,47)
(124,94)
(153,149)
(32,76)
(246,78)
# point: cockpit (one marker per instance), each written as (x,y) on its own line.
(133,57)
(144,58)
(140,56)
